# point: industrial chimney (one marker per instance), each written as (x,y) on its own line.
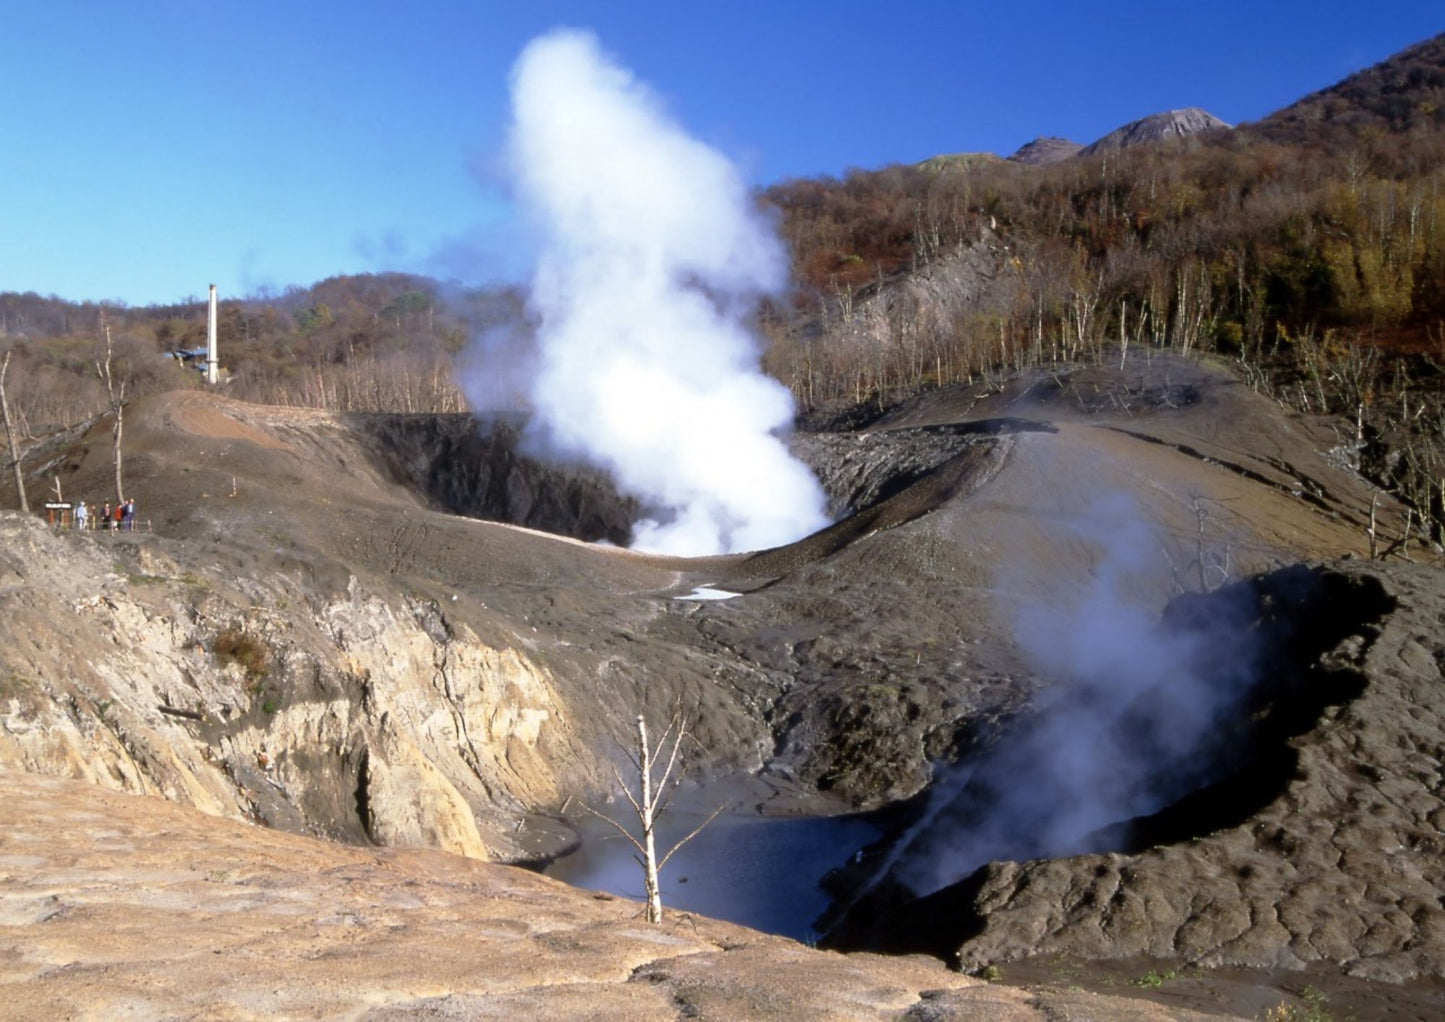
(213,366)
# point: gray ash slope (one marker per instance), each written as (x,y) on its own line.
(1321,841)
(1344,865)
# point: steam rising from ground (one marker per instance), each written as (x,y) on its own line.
(652,259)
(1138,716)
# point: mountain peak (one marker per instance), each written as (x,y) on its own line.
(1182,123)
(1044,150)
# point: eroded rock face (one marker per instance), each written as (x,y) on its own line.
(338,716)
(1045,150)
(1171,124)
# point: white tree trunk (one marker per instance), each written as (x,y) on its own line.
(10,434)
(649,805)
(116,394)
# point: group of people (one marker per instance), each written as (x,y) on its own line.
(121,517)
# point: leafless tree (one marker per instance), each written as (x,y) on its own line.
(1208,559)
(115,393)
(1372,532)
(655,791)
(10,435)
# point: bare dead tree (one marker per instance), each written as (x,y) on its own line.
(115,393)
(1209,559)
(10,435)
(1403,544)
(655,791)
(1371,531)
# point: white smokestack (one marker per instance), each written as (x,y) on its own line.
(213,365)
(653,256)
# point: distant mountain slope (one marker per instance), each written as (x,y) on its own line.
(1171,124)
(955,162)
(1405,93)
(1044,150)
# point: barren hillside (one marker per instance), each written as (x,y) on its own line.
(310,632)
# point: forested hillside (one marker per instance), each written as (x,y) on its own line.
(369,342)
(1330,213)
(1309,248)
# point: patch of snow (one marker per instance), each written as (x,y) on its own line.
(708,593)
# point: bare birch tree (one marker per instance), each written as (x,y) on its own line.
(10,435)
(655,791)
(115,393)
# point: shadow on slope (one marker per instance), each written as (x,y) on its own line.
(479,469)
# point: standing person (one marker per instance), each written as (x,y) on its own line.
(81,514)
(118,517)
(104,522)
(129,515)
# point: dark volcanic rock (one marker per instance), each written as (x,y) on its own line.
(480,469)
(860,470)
(1335,854)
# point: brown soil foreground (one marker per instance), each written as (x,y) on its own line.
(124,907)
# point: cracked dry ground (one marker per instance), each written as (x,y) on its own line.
(115,906)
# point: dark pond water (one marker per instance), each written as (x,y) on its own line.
(758,871)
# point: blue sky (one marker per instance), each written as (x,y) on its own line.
(152,147)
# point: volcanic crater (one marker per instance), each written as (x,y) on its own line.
(456,640)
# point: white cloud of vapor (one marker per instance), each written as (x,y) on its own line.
(1135,719)
(652,258)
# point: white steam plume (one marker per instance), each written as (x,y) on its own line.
(652,258)
(1135,722)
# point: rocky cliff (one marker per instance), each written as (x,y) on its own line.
(1045,150)
(268,697)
